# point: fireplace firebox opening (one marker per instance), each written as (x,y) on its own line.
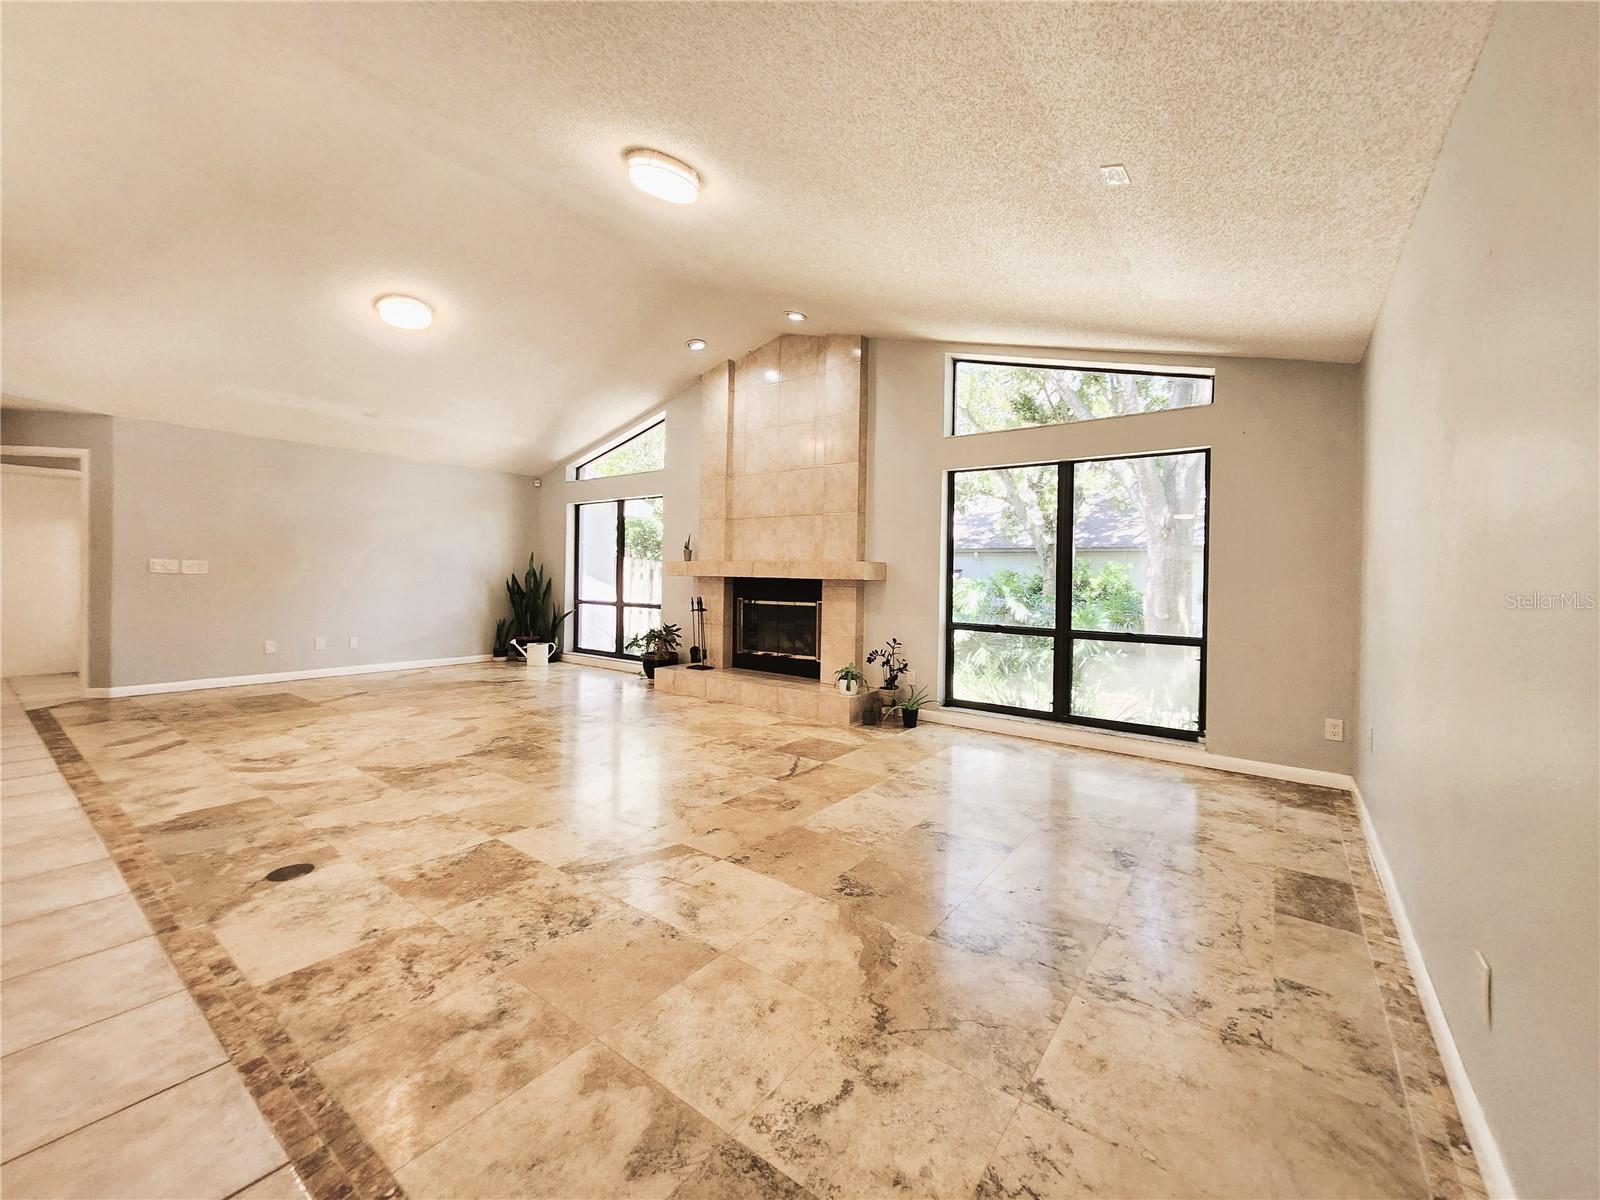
(777,626)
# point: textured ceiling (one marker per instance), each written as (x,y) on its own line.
(201,200)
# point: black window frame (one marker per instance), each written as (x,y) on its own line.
(1098,369)
(621,603)
(577,470)
(1063,636)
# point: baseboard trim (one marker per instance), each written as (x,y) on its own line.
(626,665)
(228,681)
(1140,747)
(1496,1179)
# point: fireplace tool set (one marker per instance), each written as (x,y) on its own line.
(698,651)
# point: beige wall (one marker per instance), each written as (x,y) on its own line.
(679,485)
(1481,479)
(94,433)
(302,541)
(1283,527)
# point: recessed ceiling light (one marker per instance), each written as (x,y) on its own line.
(1115,175)
(772,375)
(696,343)
(662,176)
(795,316)
(403,312)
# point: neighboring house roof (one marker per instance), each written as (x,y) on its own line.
(1099,525)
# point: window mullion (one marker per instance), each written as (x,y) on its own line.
(1066,474)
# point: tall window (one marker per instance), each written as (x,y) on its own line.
(644,451)
(618,573)
(1124,541)
(989,396)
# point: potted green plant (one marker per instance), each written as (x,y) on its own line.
(688,552)
(849,679)
(658,648)
(502,638)
(536,620)
(910,706)
(893,665)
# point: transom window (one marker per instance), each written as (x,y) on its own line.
(644,451)
(1124,541)
(988,396)
(617,552)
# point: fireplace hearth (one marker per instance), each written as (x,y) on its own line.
(777,626)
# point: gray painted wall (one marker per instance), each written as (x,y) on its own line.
(81,431)
(1482,472)
(1284,527)
(302,541)
(679,485)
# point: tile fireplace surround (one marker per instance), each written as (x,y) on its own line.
(783,496)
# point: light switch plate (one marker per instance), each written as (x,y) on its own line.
(269,647)
(355,643)
(196,566)
(163,566)
(321,643)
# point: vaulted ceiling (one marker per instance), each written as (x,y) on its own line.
(202,200)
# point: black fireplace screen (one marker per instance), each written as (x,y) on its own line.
(783,627)
(778,626)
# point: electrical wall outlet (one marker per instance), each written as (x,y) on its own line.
(196,566)
(355,643)
(1485,988)
(269,647)
(321,643)
(163,566)
(1332,729)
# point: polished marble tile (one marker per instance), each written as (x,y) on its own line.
(333,909)
(869,1116)
(976,1012)
(1317,898)
(580,972)
(593,1125)
(448,1059)
(343,998)
(723,1038)
(830,952)
(567,937)
(1037,933)
(1218,990)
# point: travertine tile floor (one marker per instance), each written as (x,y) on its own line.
(565,937)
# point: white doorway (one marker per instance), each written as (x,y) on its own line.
(43,566)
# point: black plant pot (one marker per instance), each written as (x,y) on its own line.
(651,662)
(908,717)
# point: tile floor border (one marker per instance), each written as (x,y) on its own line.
(324,1146)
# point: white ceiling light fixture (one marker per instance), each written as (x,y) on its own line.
(794,315)
(696,343)
(662,176)
(1115,175)
(403,312)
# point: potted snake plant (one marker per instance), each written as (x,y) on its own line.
(910,706)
